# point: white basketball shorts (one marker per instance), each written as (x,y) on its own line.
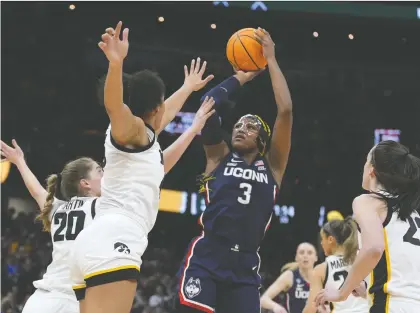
(51,302)
(109,250)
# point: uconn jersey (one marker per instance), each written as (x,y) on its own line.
(132,179)
(336,274)
(67,221)
(297,295)
(240,200)
(395,281)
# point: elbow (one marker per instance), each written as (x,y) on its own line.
(263,301)
(376,251)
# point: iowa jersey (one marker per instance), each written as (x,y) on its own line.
(397,275)
(335,276)
(240,199)
(67,221)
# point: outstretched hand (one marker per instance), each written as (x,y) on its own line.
(206,110)
(14,155)
(194,76)
(114,48)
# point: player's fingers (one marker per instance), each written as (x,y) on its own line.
(203,68)
(105,37)
(5,147)
(14,143)
(208,104)
(197,65)
(204,102)
(125,34)
(110,31)
(208,78)
(192,66)
(209,114)
(3,154)
(186,71)
(118,29)
(102,45)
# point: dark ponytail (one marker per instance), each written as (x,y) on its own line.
(345,234)
(398,172)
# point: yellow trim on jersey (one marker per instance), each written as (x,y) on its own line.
(81,286)
(388,269)
(372,296)
(115,269)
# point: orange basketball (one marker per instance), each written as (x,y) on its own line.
(244,52)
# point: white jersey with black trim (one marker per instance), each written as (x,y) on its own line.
(131,181)
(336,274)
(396,277)
(68,219)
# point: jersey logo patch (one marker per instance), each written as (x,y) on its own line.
(121,247)
(235,161)
(193,287)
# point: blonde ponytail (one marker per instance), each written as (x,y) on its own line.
(350,244)
(44,216)
(291,266)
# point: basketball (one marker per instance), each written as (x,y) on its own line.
(244,52)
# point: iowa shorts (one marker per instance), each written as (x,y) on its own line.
(50,302)
(107,251)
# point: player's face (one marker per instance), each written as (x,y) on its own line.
(368,172)
(327,243)
(245,134)
(306,256)
(93,182)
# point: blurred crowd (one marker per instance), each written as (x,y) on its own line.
(26,253)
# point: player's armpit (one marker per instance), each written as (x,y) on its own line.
(316,280)
(214,154)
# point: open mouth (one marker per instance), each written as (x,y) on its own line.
(240,136)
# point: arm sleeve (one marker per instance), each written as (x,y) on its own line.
(212,132)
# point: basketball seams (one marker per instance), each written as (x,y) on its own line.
(243,46)
(233,54)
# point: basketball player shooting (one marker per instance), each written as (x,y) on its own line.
(220,270)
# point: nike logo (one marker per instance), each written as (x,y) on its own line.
(224,89)
(254,268)
(235,161)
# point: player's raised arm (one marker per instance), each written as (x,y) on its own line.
(126,128)
(16,156)
(212,134)
(278,154)
(193,82)
(173,153)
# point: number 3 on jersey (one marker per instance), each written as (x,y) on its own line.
(74,221)
(246,196)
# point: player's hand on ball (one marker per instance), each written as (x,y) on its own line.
(206,110)
(194,76)
(114,48)
(244,77)
(267,43)
(14,155)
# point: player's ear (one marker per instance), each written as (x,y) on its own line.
(84,184)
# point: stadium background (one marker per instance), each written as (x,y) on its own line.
(342,91)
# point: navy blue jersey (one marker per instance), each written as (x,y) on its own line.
(240,200)
(297,294)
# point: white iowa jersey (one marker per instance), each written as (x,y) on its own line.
(131,181)
(397,275)
(68,219)
(337,272)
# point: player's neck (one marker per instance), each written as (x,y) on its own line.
(338,251)
(305,272)
(248,157)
